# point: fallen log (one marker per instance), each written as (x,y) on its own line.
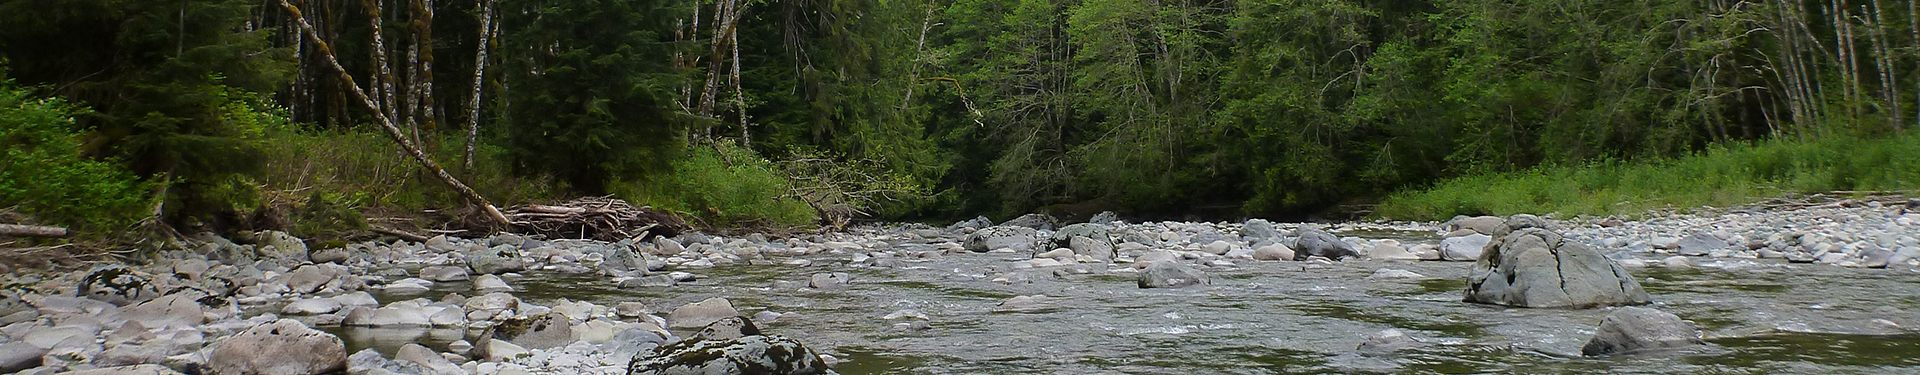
(16,230)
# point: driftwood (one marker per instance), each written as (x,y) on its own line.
(599,218)
(398,234)
(15,230)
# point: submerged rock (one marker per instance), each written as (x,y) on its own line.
(1630,329)
(730,346)
(1537,268)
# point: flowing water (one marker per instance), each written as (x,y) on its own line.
(1759,316)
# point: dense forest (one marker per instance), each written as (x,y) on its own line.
(240,114)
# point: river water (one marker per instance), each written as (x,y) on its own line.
(1759,316)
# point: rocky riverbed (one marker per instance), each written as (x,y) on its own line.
(1810,290)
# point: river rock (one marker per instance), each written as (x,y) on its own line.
(1391,274)
(622,261)
(1032,221)
(444,273)
(700,314)
(312,278)
(1464,248)
(173,310)
(1171,275)
(1001,237)
(17,355)
(730,346)
(329,255)
(1537,268)
(649,281)
(1524,221)
(1104,218)
(143,369)
(1387,341)
(1390,250)
(1485,225)
(1095,248)
(283,347)
(975,223)
(433,361)
(490,284)
(409,285)
(1315,242)
(1700,244)
(1273,252)
(1065,234)
(542,331)
(1259,229)
(119,285)
(1629,329)
(1875,258)
(828,280)
(312,306)
(496,260)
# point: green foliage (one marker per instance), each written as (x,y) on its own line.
(178,89)
(1721,176)
(44,176)
(726,185)
(588,85)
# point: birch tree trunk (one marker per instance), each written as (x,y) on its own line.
(386,123)
(479,79)
(384,76)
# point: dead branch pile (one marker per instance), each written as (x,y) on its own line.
(599,218)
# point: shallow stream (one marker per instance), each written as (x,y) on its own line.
(1760,316)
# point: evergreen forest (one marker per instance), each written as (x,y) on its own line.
(320,116)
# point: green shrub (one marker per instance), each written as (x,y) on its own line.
(1720,176)
(44,176)
(724,184)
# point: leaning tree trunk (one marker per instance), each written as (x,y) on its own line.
(386,123)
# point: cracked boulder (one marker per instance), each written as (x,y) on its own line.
(1534,267)
(732,345)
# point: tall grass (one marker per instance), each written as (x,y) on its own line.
(328,173)
(724,185)
(1722,175)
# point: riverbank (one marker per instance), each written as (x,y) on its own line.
(1792,289)
(1721,176)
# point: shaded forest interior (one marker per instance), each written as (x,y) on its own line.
(230,114)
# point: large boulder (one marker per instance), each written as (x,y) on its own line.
(1001,237)
(1537,268)
(119,285)
(1316,242)
(1033,221)
(283,347)
(730,346)
(312,278)
(1171,274)
(1630,329)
